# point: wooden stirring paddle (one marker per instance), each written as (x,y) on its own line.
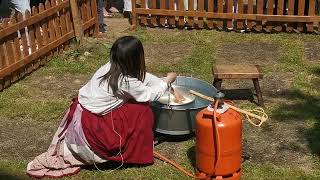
(177,95)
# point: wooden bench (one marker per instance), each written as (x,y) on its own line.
(253,72)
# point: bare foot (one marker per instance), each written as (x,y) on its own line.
(114,10)
(106,14)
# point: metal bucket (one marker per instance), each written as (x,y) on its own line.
(180,119)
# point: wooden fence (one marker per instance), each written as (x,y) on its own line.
(248,15)
(26,41)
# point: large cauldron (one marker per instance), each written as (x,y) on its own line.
(180,119)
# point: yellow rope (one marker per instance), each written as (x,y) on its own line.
(262,116)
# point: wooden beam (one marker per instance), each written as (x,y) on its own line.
(40,52)
(33,19)
(95,15)
(281,18)
(134,15)
(77,24)
(89,23)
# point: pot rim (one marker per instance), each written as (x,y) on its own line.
(179,107)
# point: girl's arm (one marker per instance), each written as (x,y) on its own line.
(152,80)
(141,92)
(149,90)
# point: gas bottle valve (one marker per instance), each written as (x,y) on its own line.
(218,97)
(222,107)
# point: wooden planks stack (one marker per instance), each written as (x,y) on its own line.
(248,15)
(26,41)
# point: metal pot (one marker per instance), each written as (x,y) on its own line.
(180,119)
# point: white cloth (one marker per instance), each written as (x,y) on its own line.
(127,5)
(68,150)
(99,99)
(21,5)
(186,4)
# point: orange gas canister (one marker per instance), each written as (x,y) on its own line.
(218,143)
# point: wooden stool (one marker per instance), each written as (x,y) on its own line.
(221,72)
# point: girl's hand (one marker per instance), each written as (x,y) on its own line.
(171,77)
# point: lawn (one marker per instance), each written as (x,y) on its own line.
(287,146)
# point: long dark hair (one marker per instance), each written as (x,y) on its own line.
(127,59)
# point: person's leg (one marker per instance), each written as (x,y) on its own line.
(127,9)
(127,130)
(5,11)
(36,2)
(100,16)
(116,6)
(21,5)
(127,5)
(106,14)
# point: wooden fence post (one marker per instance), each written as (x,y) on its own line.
(95,14)
(133,15)
(77,24)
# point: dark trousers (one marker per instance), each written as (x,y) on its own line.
(36,2)
(101,5)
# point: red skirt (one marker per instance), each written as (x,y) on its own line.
(126,130)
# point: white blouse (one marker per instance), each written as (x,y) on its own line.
(99,99)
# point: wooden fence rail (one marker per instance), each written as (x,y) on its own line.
(26,40)
(247,15)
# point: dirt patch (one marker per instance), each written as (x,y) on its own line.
(278,143)
(23,144)
(61,86)
(168,53)
(116,27)
(262,53)
(274,84)
(23,139)
(312,52)
(248,53)
(39,134)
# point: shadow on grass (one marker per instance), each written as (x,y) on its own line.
(316,71)
(239,94)
(191,153)
(160,138)
(316,82)
(111,165)
(6,176)
(306,108)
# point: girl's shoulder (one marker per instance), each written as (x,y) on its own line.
(102,70)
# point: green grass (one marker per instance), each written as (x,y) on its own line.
(45,95)
(76,62)
(12,170)
(198,64)
(269,171)
(30,100)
